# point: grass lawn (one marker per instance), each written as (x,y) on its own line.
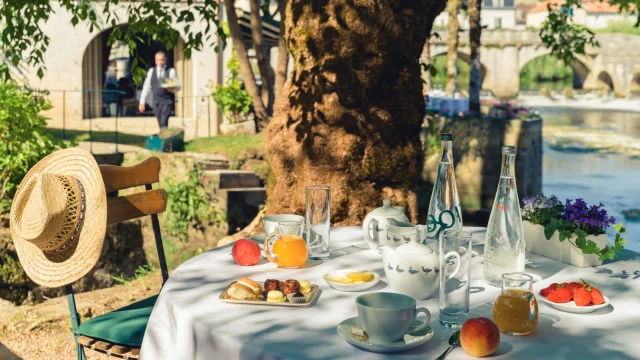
(100,136)
(232,147)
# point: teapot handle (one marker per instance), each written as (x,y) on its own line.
(367,232)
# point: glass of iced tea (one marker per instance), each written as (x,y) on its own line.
(516,309)
(286,247)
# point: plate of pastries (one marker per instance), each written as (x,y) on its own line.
(293,293)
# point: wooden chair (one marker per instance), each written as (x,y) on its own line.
(150,202)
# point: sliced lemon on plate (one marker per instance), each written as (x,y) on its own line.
(338,280)
(363,276)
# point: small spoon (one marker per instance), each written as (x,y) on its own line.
(454,342)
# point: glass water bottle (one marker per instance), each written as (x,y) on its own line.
(504,244)
(444,207)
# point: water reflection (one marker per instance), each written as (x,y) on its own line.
(608,178)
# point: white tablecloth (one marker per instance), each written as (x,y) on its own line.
(190,322)
(448,105)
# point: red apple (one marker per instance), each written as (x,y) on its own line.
(246,252)
(479,337)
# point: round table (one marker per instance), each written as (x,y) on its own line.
(190,322)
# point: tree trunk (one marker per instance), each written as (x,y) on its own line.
(351,112)
(261,57)
(452,46)
(283,54)
(475,77)
(250,85)
(425,58)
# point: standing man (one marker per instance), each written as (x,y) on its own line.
(163,96)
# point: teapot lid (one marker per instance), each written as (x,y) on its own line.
(387,210)
(413,247)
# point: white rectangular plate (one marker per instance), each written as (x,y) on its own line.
(311,297)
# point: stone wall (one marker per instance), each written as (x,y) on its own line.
(477,154)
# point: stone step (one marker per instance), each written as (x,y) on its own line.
(254,196)
(231,179)
(213,164)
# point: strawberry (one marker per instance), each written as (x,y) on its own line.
(596,296)
(546,291)
(560,295)
(573,286)
(582,297)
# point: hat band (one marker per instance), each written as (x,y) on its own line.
(79,222)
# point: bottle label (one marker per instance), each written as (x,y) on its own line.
(502,207)
(440,225)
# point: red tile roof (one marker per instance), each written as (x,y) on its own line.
(590,6)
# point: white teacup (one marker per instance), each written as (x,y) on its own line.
(270,222)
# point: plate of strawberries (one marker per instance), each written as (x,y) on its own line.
(575,297)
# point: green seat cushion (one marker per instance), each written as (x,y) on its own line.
(124,326)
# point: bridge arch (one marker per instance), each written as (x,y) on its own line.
(635,82)
(604,79)
(466,58)
(579,72)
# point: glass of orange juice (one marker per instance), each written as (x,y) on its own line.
(516,309)
(285,247)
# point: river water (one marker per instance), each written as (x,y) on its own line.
(610,178)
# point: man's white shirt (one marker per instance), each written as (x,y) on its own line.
(146,87)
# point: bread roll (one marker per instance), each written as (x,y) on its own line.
(250,284)
(238,291)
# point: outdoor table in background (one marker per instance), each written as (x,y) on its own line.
(190,322)
(438,102)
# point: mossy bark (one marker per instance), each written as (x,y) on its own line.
(350,114)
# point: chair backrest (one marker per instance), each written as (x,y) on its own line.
(150,202)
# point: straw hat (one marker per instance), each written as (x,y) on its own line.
(59,218)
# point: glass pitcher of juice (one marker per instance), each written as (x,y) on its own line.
(285,247)
(516,309)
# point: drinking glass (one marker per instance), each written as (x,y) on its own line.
(286,247)
(318,215)
(455,271)
(516,309)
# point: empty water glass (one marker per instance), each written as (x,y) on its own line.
(455,275)
(318,216)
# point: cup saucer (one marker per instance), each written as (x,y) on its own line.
(410,341)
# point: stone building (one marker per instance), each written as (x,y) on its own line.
(81,66)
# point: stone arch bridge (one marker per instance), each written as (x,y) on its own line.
(504,53)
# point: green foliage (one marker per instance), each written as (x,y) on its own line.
(23,39)
(620,27)
(187,204)
(140,274)
(562,36)
(24,139)
(439,64)
(567,230)
(231,97)
(546,71)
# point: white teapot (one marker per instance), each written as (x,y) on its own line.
(374,227)
(412,269)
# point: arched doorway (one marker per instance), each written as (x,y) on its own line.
(107,84)
(547,71)
(463,64)
(604,81)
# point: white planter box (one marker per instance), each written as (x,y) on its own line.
(562,251)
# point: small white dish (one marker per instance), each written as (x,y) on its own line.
(410,341)
(572,307)
(350,287)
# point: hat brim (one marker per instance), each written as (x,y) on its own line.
(44,271)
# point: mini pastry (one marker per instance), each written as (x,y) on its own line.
(297,298)
(276,296)
(291,286)
(250,284)
(305,286)
(238,291)
(271,284)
